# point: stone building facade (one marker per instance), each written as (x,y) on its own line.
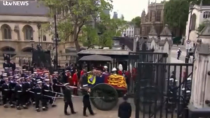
(20,31)
(154,17)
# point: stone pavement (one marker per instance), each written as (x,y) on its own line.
(174,54)
(175,60)
(57,112)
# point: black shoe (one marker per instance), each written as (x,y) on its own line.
(44,108)
(12,106)
(74,112)
(93,114)
(24,107)
(5,106)
(66,113)
(53,105)
(37,109)
(18,108)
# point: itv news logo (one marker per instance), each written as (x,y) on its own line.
(15,3)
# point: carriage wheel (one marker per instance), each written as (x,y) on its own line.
(104,97)
(149,100)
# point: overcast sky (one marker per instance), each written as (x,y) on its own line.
(130,8)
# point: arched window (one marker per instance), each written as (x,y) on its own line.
(193,22)
(206,14)
(44,38)
(6,32)
(28,32)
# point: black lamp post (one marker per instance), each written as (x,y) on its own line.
(32,46)
(56,39)
(39,27)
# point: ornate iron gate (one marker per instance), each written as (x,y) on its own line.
(147,56)
(163,89)
(41,58)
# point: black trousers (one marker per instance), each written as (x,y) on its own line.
(12,97)
(38,99)
(20,99)
(87,105)
(70,104)
(5,97)
(45,100)
(26,97)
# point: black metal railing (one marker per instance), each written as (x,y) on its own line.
(163,89)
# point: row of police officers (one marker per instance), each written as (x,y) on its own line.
(22,90)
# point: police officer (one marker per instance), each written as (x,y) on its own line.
(56,84)
(33,86)
(47,90)
(67,99)
(86,102)
(12,85)
(38,95)
(1,84)
(26,93)
(124,110)
(5,92)
(19,94)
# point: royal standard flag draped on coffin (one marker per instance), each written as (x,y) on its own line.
(94,80)
(117,81)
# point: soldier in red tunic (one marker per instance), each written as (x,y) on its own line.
(75,81)
(120,69)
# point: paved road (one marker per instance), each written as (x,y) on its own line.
(57,112)
(174,55)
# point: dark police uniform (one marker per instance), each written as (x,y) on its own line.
(56,88)
(19,95)
(124,110)
(26,93)
(5,93)
(46,90)
(68,100)
(12,85)
(86,104)
(1,84)
(38,96)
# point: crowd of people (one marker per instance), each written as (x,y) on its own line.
(38,88)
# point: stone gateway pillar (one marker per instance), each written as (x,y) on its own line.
(200,93)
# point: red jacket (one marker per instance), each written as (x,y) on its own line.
(81,73)
(74,77)
(120,72)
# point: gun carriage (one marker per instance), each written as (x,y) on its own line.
(105,89)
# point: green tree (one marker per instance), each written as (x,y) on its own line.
(102,32)
(78,14)
(109,28)
(136,21)
(176,14)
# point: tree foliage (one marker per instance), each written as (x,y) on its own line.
(176,12)
(136,21)
(79,13)
(79,22)
(103,31)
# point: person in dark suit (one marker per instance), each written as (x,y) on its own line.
(5,64)
(68,99)
(86,102)
(125,109)
(13,65)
